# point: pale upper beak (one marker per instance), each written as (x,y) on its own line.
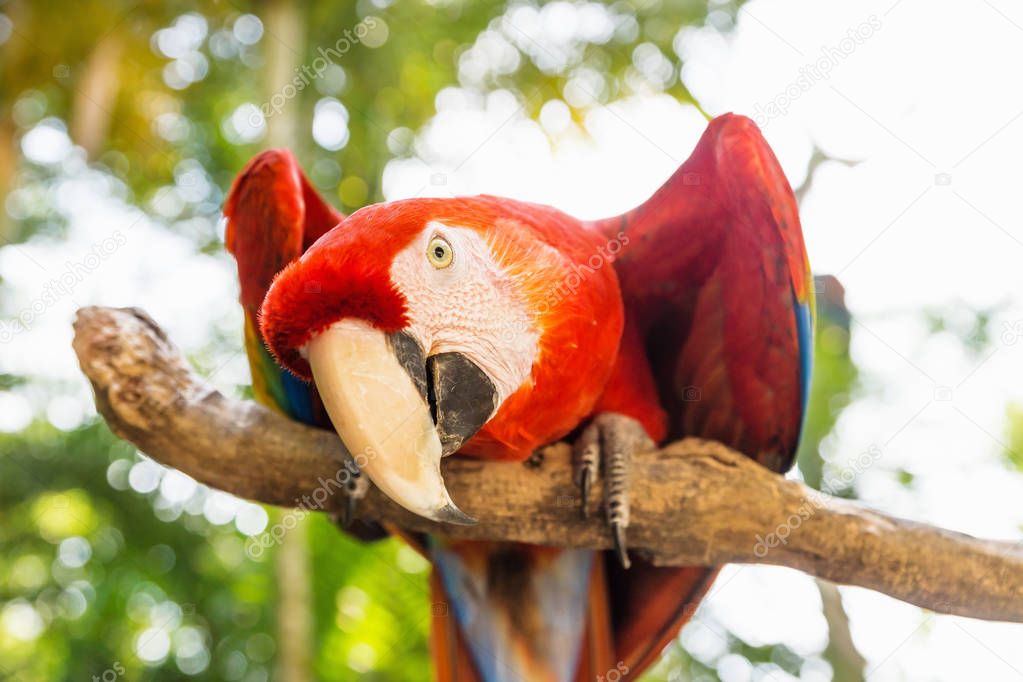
(399,413)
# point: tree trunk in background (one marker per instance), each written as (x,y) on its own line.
(284,41)
(8,160)
(96,95)
(284,44)
(12,54)
(845,659)
(294,612)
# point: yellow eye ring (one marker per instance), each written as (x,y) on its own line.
(439,253)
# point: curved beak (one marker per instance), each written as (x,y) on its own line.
(379,393)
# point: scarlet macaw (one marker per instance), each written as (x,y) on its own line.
(489,327)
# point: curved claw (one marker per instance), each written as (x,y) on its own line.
(349,515)
(620,545)
(355,489)
(584,484)
(351,500)
(586,453)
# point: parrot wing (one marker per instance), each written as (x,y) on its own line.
(715,276)
(273,215)
(716,284)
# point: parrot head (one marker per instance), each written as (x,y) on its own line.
(416,322)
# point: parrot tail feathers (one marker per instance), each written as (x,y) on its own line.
(570,615)
(452,660)
(597,656)
(517,612)
(651,604)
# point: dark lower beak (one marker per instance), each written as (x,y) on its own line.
(460,394)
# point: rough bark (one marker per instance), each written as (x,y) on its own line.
(693,502)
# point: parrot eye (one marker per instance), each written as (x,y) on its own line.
(439,253)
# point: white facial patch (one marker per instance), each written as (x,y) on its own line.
(468,306)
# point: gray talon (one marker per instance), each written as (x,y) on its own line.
(616,503)
(585,486)
(608,443)
(587,451)
(349,515)
(621,549)
(355,488)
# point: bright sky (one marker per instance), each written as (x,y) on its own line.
(925,98)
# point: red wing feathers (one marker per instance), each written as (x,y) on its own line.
(273,215)
(713,275)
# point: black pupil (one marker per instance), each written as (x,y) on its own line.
(438,252)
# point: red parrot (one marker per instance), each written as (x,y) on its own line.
(486,327)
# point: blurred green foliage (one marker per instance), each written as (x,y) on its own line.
(1013,449)
(110,575)
(102,569)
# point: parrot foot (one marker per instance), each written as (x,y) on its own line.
(610,440)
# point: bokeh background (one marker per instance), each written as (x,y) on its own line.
(122,124)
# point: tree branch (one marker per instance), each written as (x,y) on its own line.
(693,502)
